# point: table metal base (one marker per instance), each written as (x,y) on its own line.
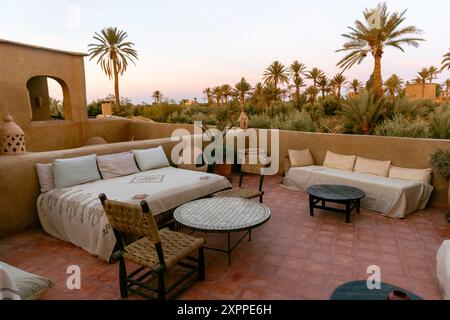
(349,206)
(229,247)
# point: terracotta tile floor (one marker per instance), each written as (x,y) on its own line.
(292,256)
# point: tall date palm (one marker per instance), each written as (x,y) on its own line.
(446,62)
(296,69)
(379,29)
(276,73)
(113,53)
(242,88)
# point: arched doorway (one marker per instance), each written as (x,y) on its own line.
(48,98)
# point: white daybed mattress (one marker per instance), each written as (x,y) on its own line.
(75,214)
(393,197)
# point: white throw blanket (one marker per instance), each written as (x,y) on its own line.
(394,197)
(75,214)
(8,289)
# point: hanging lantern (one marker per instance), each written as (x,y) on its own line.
(12,137)
(243,121)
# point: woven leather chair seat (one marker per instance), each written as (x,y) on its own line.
(177,246)
(239,193)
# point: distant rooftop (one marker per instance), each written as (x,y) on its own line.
(43,48)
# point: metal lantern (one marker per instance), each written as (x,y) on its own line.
(12,137)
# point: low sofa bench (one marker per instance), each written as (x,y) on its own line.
(394,197)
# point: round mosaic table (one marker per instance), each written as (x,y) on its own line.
(222,215)
(358,290)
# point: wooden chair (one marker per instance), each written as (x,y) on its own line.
(246,193)
(155,252)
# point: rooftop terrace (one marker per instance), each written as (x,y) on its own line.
(293,256)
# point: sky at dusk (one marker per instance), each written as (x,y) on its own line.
(185,46)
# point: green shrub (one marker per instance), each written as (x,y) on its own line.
(441,163)
(331,125)
(260,122)
(402,126)
(440,123)
(329,105)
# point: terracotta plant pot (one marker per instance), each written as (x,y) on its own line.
(223,169)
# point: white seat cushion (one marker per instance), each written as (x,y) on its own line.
(29,286)
(117,165)
(74,171)
(153,158)
(443,268)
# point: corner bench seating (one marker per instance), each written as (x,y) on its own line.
(68,206)
(395,198)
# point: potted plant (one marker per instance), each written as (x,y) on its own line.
(440,161)
(224,125)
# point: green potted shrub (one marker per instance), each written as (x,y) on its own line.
(440,161)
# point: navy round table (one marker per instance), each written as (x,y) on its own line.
(357,290)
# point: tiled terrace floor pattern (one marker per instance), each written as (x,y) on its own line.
(292,256)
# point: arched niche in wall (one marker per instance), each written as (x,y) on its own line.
(49,99)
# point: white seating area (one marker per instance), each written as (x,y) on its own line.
(395,192)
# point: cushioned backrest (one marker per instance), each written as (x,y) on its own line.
(369,166)
(339,161)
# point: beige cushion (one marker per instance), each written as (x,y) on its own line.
(422,175)
(46,178)
(300,158)
(369,166)
(339,161)
(117,165)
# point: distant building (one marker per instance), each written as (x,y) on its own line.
(189,102)
(422,91)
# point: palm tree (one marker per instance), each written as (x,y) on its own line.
(157,95)
(365,38)
(276,73)
(393,85)
(339,80)
(362,113)
(242,88)
(218,94)
(296,69)
(298,83)
(446,61)
(311,92)
(423,76)
(258,93)
(113,54)
(315,74)
(433,71)
(208,94)
(355,86)
(447,84)
(323,85)
(332,86)
(226,92)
